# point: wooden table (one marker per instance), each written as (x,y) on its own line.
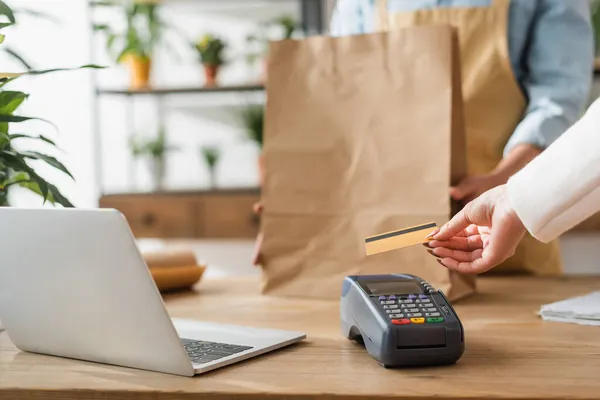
(510,353)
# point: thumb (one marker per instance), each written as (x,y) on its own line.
(476,212)
(457,224)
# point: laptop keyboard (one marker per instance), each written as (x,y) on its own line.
(202,352)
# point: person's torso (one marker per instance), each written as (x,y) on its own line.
(359,16)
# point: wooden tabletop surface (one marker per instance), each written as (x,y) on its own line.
(510,353)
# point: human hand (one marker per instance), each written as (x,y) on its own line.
(474,186)
(257,258)
(482,235)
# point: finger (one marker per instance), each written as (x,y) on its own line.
(468,231)
(469,243)
(457,255)
(471,267)
(463,189)
(477,212)
(477,266)
(257,259)
(455,227)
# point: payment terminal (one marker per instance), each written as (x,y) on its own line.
(401,319)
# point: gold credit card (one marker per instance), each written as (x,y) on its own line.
(398,239)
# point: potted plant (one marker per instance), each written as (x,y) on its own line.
(285,25)
(211,48)
(252,118)
(135,46)
(154,151)
(15,159)
(211,157)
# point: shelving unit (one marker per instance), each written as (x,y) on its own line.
(313,21)
(180,90)
(222,213)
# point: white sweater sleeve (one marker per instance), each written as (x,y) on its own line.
(561,187)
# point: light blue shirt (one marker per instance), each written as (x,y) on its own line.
(551,46)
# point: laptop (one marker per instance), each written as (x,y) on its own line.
(73,284)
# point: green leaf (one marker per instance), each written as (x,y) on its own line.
(18,164)
(37,14)
(14,118)
(5,24)
(4,81)
(103,3)
(18,57)
(34,155)
(58,197)
(16,179)
(7,118)
(35,188)
(101,27)
(6,11)
(10,101)
(48,191)
(40,137)
(4,140)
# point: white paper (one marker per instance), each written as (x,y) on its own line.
(584,310)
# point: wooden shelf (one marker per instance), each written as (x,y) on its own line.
(190,192)
(221,213)
(181,90)
(94,3)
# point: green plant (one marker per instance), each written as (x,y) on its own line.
(154,147)
(252,118)
(211,155)
(211,50)
(144,30)
(286,26)
(11,15)
(15,168)
(595,10)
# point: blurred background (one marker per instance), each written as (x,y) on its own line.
(170,132)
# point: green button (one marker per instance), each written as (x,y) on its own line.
(437,319)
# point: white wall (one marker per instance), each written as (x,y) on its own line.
(67,98)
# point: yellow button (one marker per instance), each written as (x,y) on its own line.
(417,320)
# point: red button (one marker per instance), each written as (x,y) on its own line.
(401,321)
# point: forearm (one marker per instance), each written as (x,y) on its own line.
(519,156)
(561,187)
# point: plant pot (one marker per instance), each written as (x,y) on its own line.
(213,177)
(158,172)
(211,73)
(140,70)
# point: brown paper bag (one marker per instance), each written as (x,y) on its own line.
(363,135)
